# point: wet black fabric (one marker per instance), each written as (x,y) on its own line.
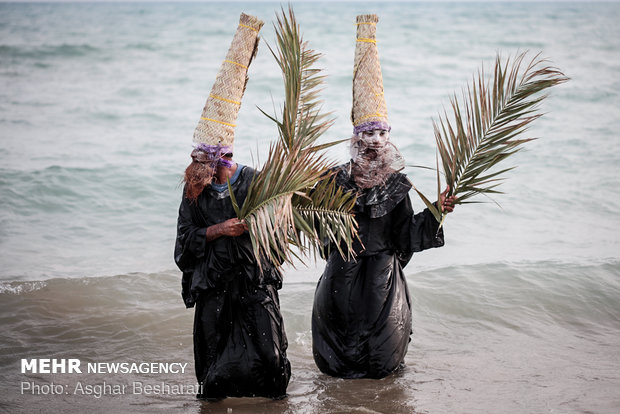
(375,201)
(239,339)
(361,318)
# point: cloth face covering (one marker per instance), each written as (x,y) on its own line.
(200,172)
(374,158)
(212,154)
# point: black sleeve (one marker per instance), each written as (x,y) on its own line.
(414,233)
(425,232)
(190,245)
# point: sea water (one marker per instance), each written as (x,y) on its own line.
(519,312)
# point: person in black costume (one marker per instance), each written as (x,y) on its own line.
(361,316)
(239,339)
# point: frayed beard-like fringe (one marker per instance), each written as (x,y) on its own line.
(197,176)
(369,172)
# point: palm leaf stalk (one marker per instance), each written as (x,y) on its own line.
(285,206)
(485,129)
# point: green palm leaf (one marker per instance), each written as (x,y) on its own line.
(285,206)
(485,127)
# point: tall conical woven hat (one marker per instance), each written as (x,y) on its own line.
(217,123)
(369,108)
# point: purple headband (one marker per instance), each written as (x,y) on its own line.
(366,126)
(212,153)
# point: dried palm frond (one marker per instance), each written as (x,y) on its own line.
(485,131)
(323,216)
(302,121)
(285,206)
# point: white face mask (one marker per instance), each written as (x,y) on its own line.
(375,138)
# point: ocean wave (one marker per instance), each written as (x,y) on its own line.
(101,318)
(150,47)
(64,189)
(462,315)
(60,51)
(549,291)
(524,295)
(19,288)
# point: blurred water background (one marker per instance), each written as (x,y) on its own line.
(519,312)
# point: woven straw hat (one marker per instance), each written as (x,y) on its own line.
(369,107)
(217,124)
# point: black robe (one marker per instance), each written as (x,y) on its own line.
(239,340)
(361,318)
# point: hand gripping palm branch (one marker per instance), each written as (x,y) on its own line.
(485,131)
(285,206)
